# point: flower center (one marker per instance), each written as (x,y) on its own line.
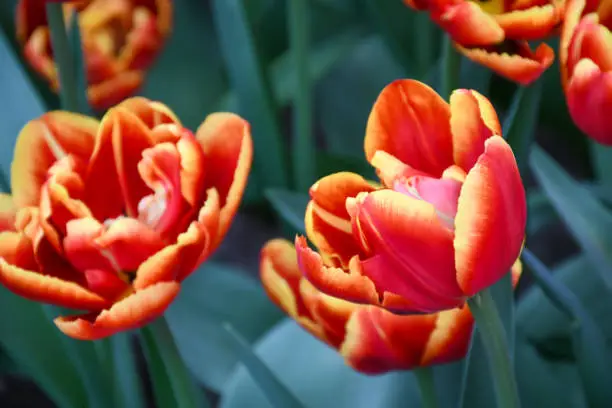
(152,207)
(443,194)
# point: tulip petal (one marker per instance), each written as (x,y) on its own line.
(473,120)
(37,287)
(450,339)
(328,224)
(593,41)
(589,99)
(491,218)
(389,168)
(281,277)
(133,312)
(523,67)
(533,23)
(151,113)
(469,25)
(177,261)
(333,281)
(129,243)
(228,151)
(410,249)
(43,141)
(411,122)
(378,341)
(80,247)
(571,18)
(8,212)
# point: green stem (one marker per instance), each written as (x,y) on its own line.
(425,379)
(451,64)
(167,368)
(493,337)
(304,144)
(63,57)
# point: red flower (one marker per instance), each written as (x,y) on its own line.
(586,66)
(448,220)
(371,339)
(109,217)
(121,38)
(496,33)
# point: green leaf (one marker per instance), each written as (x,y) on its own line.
(359,78)
(80,70)
(250,82)
(521,120)
(214,294)
(128,385)
(478,390)
(592,356)
(588,220)
(317,375)
(33,342)
(290,206)
(275,391)
(601,157)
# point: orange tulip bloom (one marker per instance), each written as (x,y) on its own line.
(371,339)
(120,38)
(109,217)
(585,54)
(496,33)
(448,220)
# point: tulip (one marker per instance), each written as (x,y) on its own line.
(496,33)
(447,221)
(120,40)
(586,66)
(371,339)
(109,217)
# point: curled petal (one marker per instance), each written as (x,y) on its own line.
(8,212)
(450,339)
(473,120)
(469,25)
(228,152)
(410,250)
(133,312)
(151,113)
(533,23)
(571,18)
(177,261)
(523,67)
(80,245)
(42,142)
(390,169)
(589,99)
(328,224)
(411,122)
(491,218)
(593,41)
(48,289)
(333,281)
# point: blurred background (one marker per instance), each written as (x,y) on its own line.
(232,55)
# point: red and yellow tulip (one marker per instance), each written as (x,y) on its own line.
(371,339)
(585,54)
(447,221)
(109,217)
(120,38)
(496,33)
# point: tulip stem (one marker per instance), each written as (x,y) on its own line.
(303,146)
(427,386)
(63,57)
(493,336)
(172,382)
(451,65)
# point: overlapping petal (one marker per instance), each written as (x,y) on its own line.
(371,339)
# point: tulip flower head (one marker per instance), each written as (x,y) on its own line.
(447,221)
(110,217)
(585,54)
(496,33)
(121,39)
